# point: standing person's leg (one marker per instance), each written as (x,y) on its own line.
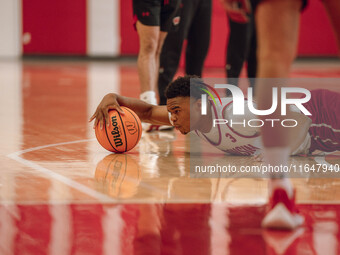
(148,25)
(154,18)
(277,30)
(198,38)
(172,48)
(146,62)
(162,38)
(169,61)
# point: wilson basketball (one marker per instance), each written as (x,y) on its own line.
(123,132)
(118,175)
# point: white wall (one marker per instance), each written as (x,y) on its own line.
(10,28)
(103,34)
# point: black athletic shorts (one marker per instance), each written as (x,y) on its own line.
(304,5)
(162,13)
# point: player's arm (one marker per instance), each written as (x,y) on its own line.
(146,112)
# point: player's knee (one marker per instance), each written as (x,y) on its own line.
(149,46)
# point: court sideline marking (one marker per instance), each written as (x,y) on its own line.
(67,181)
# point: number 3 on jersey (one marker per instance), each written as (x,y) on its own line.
(232,139)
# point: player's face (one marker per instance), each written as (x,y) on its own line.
(179,108)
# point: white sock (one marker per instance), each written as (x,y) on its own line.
(149,97)
(278,156)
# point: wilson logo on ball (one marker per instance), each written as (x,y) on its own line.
(116,132)
(131,127)
(122,133)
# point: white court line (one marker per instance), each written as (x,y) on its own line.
(47,146)
(67,181)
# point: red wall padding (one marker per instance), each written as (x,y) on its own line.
(129,38)
(316,35)
(56,27)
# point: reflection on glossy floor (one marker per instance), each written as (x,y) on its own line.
(61,193)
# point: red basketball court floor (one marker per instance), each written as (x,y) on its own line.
(61,193)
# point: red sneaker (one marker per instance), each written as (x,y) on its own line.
(282,213)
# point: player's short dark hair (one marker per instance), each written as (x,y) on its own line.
(186,86)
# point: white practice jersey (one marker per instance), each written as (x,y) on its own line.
(235,136)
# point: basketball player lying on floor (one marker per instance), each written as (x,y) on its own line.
(320,131)
(183,111)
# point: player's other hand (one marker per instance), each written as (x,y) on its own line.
(237,10)
(109,102)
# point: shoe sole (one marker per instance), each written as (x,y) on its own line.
(281,218)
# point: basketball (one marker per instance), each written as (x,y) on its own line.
(118,175)
(122,134)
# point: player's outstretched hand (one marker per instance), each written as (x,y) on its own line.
(109,102)
(237,10)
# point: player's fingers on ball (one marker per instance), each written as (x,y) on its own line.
(92,117)
(111,107)
(102,123)
(95,117)
(106,117)
(120,110)
(95,123)
(117,108)
(99,119)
